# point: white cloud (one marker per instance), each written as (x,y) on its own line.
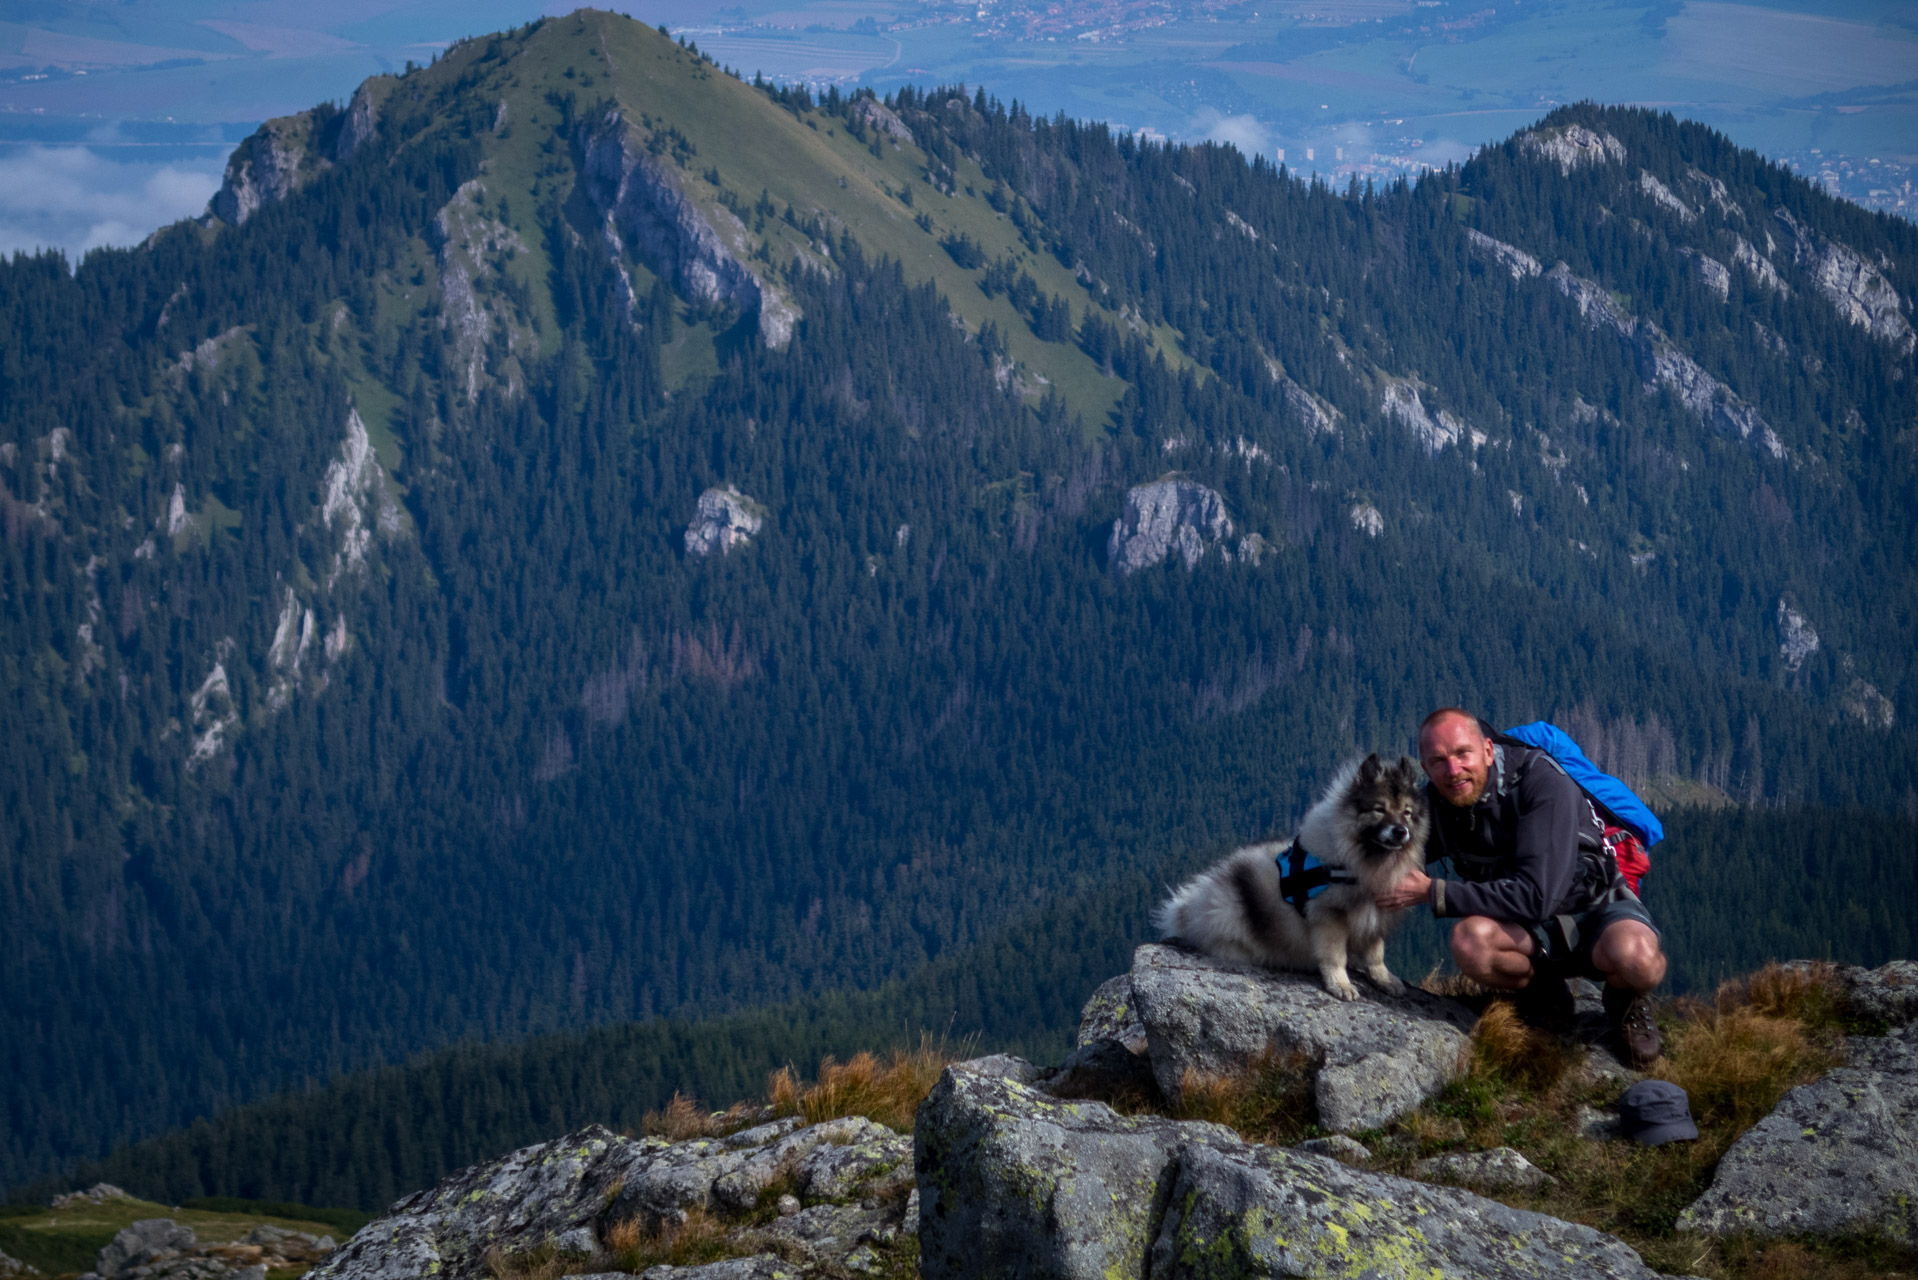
(76,198)
(1246,132)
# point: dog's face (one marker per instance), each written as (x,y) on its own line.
(1388,808)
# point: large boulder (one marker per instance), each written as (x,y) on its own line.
(563,1194)
(1017,1183)
(1837,1157)
(1889,992)
(1163,517)
(1373,1059)
(146,1241)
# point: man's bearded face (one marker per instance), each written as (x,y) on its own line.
(1457,758)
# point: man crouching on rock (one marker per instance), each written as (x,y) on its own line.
(1538,899)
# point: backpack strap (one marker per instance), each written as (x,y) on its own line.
(1303,877)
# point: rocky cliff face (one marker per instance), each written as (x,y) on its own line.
(269,166)
(1164,517)
(645,199)
(725,518)
(1663,364)
(1861,293)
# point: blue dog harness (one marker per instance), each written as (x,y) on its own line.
(1303,877)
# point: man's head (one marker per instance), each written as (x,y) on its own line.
(1456,755)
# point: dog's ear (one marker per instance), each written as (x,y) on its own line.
(1369,770)
(1409,773)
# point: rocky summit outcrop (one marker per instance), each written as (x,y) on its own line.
(1372,1059)
(850,1179)
(1839,1156)
(1167,516)
(1016,1182)
(1572,146)
(724,519)
(643,197)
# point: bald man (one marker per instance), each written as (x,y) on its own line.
(1538,899)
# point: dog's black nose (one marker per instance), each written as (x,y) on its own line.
(1394,836)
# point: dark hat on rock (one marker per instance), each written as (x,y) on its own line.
(1655,1112)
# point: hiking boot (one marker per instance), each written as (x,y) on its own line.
(1547,1004)
(1630,1013)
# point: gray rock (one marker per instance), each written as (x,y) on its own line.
(1509,256)
(1889,992)
(1837,1157)
(910,1224)
(1015,1182)
(98,1193)
(1338,1147)
(14,1269)
(1103,1067)
(724,519)
(1109,1014)
(255,1272)
(1018,1183)
(760,1266)
(826,1233)
(1501,1169)
(1163,517)
(834,1170)
(1598,1126)
(788,1205)
(739,1187)
(1572,146)
(1862,293)
(702,248)
(1246,1211)
(1378,1057)
(145,1241)
(549,1193)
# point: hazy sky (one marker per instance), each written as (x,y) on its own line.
(116,119)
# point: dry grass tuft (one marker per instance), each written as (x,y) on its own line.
(1809,993)
(698,1238)
(1736,1064)
(683,1118)
(889,1091)
(1504,1047)
(1760,1036)
(1270,1101)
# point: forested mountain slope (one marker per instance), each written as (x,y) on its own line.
(575,537)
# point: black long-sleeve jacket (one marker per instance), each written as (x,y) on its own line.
(1529,849)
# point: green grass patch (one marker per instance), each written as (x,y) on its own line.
(65,1241)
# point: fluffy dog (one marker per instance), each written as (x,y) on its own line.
(1368,830)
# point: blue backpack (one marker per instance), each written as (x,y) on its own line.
(1616,800)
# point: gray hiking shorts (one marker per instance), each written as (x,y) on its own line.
(1565,942)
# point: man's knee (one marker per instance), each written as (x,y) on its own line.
(1628,954)
(1477,939)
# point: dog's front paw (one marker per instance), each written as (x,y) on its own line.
(1341,986)
(1387,982)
